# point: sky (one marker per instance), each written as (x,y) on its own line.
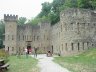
(22,8)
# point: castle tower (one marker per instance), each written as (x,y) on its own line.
(10,33)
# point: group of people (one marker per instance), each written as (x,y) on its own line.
(27,51)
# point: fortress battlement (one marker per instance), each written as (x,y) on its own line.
(10,17)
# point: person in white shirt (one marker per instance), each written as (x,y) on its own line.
(26,52)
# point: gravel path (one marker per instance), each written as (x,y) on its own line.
(47,65)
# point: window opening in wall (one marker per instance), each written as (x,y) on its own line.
(78,46)
(88,24)
(62,47)
(88,45)
(72,46)
(37,37)
(65,26)
(27,37)
(23,49)
(72,26)
(61,28)
(8,48)
(47,38)
(83,45)
(44,37)
(59,51)
(19,37)
(23,37)
(44,49)
(52,48)
(34,38)
(12,37)
(78,27)
(84,25)
(66,46)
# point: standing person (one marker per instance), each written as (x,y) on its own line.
(35,52)
(26,52)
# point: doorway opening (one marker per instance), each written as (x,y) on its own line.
(52,49)
(29,49)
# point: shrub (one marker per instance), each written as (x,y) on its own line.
(4,55)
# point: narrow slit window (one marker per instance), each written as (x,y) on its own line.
(78,46)
(72,46)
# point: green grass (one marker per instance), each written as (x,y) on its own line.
(85,62)
(22,64)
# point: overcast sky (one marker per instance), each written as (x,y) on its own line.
(22,8)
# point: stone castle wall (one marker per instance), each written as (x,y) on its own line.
(77,29)
(75,33)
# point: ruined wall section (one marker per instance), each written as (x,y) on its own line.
(55,38)
(76,30)
(36,37)
(45,36)
(93,28)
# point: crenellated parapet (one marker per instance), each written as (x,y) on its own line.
(10,17)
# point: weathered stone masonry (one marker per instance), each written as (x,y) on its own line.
(75,33)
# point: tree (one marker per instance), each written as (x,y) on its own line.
(46,7)
(53,18)
(85,4)
(34,21)
(22,20)
(2,31)
(93,3)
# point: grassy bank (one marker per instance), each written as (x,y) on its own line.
(22,64)
(85,62)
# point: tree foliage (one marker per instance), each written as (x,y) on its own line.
(2,31)
(51,11)
(46,7)
(22,20)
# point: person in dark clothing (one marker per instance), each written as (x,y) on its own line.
(35,52)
